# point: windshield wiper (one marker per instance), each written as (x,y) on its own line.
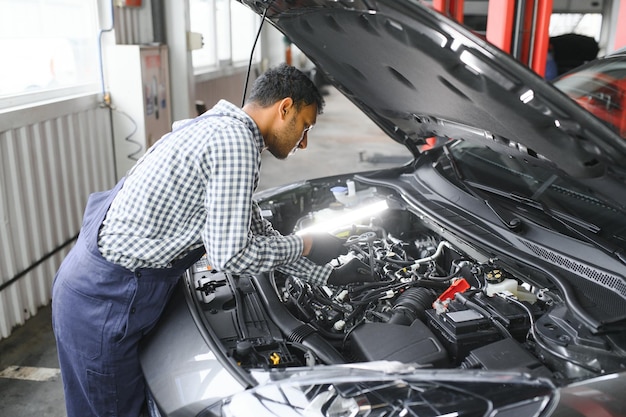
(580,228)
(583,229)
(507,218)
(577,227)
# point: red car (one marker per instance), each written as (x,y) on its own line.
(600,87)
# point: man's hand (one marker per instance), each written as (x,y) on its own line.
(351,272)
(321,248)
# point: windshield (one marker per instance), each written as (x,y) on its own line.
(601,89)
(547,192)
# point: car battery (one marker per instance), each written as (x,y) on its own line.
(462,328)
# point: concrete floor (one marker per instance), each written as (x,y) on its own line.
(343,140)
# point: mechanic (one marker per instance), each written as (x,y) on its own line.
(191,193)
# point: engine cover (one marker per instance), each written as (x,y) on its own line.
(395,342)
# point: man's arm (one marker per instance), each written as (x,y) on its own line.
(232,162)
(262,226)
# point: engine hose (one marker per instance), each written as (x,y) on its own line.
(292,327)
(438,252)
(296,299)
(411,305)
(397,262)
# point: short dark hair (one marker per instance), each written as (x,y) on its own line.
(285,81)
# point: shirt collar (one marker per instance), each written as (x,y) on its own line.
(226,108)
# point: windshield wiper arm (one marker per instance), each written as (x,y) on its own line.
(506,217)
(583,229)
(563,218)
(580,228)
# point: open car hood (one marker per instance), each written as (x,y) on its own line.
(417,74)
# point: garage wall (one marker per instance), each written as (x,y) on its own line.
(228,87)
(51,158)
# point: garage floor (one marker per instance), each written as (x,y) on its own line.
(343,140)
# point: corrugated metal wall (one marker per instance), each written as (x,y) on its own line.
(51,158)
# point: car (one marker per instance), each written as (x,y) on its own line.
(600,87)
(498,250)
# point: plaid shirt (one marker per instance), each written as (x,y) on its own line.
(195,187)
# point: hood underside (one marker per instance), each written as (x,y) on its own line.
(417,74)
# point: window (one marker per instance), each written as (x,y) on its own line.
(47,45)
(588,24)
(228,30)
(574,39)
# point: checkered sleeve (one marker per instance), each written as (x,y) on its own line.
(301,268)
(232,164)
(259,224)
(308,271)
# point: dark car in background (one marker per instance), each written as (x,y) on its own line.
(499,253)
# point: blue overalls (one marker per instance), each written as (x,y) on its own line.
(100,312)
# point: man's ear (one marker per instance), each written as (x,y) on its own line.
(285,106)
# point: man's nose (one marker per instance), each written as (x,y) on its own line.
(304,141)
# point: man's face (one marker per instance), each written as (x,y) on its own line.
(293,133)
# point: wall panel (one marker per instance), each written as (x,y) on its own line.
(49,164)
(227,86)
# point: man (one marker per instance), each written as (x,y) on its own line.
(191,193)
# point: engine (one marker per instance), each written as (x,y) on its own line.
(430,304)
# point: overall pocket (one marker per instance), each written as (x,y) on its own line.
(79,320)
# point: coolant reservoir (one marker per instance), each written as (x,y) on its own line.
(349,197)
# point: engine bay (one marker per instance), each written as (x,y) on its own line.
(437,303)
